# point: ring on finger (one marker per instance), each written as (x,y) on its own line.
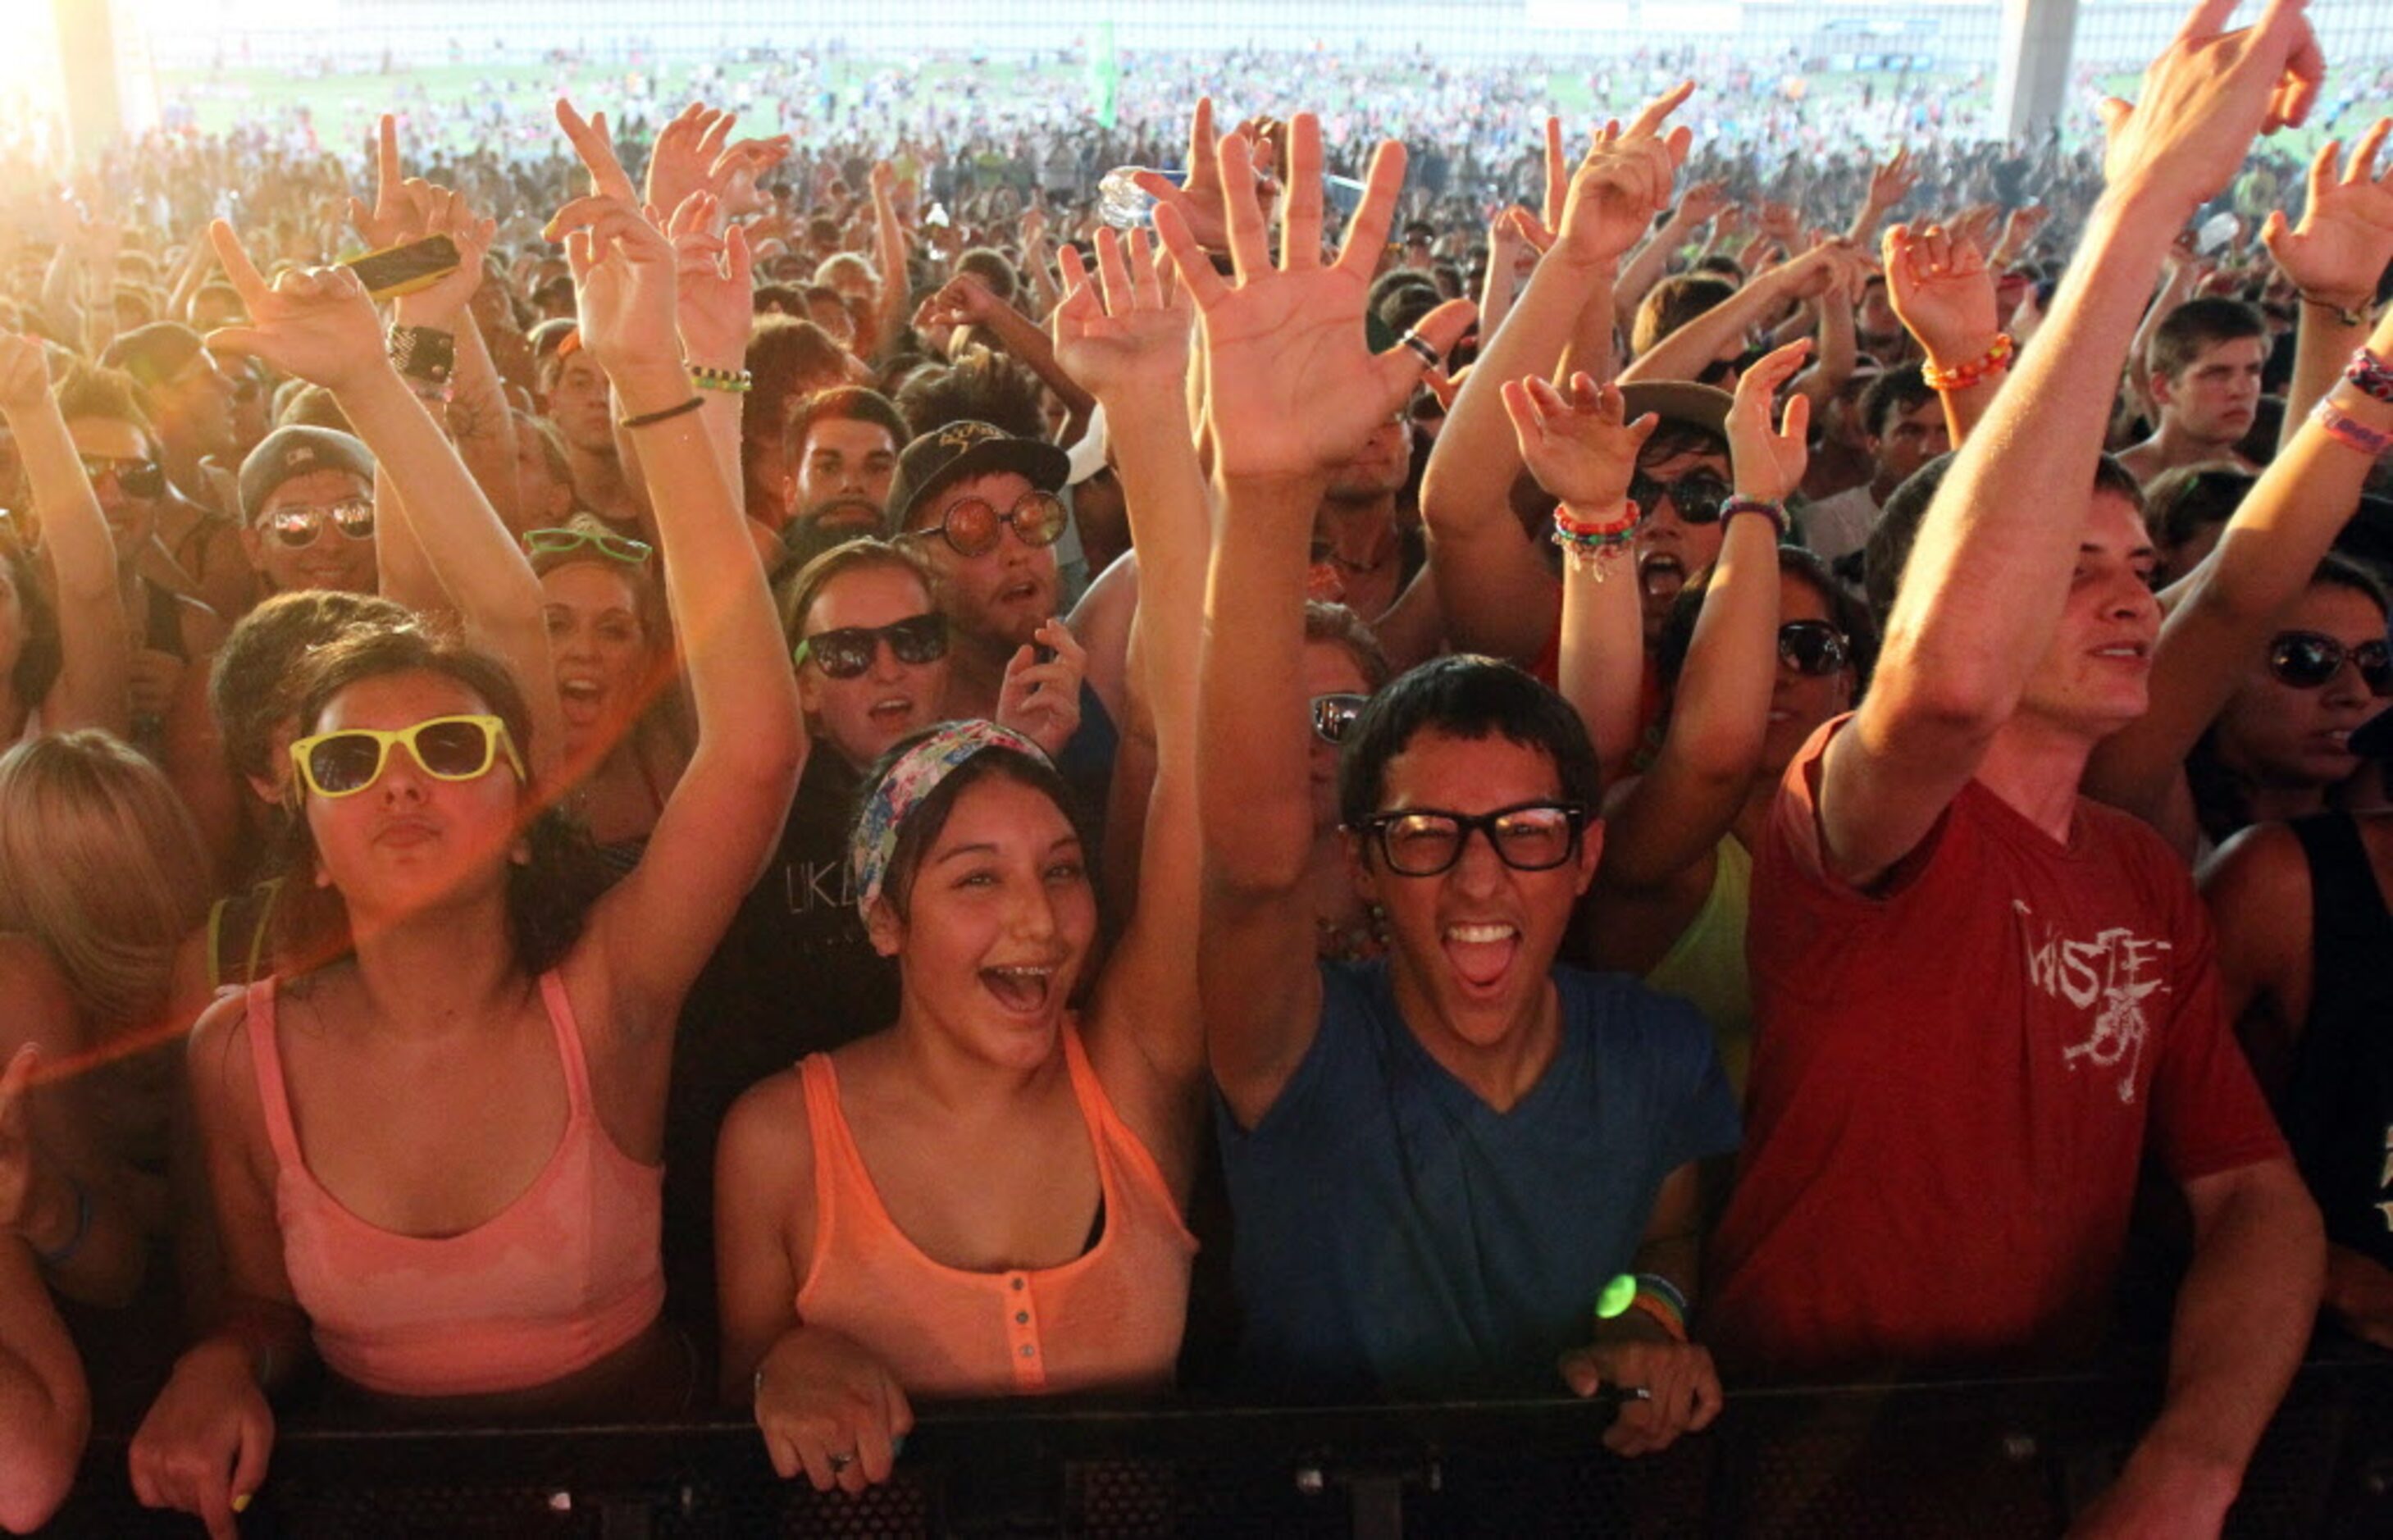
(840,1462)
(1421,346)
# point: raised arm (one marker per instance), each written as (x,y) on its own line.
(1291,390)
(1943,295)
(889,252)
(1991,565)
(319,325)
(657,927)
(1889,186)
(1583,455)
(2345,221)
(472,406)
(2220,614)
(1685,353)
(1129,345)
(1496,591)
(1702,202)
(92,688)
(1678,809)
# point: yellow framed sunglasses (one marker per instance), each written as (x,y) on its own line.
(348,760)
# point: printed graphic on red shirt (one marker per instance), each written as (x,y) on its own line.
(2117,970)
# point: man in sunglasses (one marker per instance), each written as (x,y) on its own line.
(1983,1000)
(983,508)
(306,497)
(172,628)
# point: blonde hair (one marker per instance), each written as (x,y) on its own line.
(98,862)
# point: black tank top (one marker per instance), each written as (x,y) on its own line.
(2338,1106)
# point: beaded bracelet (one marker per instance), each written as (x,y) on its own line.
(2350,431)
(1774,512)
(2369,375)
(1992,361)
(737,380)
(652,418)
(1592,545)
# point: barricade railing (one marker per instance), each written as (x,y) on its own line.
(1982,1458)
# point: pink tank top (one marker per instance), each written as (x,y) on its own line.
(1109,1318)
(558,1279)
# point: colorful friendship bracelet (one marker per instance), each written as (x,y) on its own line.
(2369,375)
(1592,545)
(1961,376)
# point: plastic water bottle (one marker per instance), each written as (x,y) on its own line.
(1121,203)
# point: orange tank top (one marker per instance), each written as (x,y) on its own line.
(1109,1319)
(557,1280)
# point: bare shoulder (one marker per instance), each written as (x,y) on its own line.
(766,1143)
(2254,875)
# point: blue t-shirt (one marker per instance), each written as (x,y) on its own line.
(1397,1236)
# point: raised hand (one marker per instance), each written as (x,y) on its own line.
(1780,222)
(1624,181)
(1576,444)
(2204,98)
(1041,701)
(624,292)
(830,1410)
(315,322)
(2019,232)
(25,374)
(595,145)
(1291,388)
(385,223)
(734,177)
(685,151)
(1942,291)
(964,300)
(425,211)
(2345,241)
(1891,183)
(1125,325)
(1768,465)
(1702,202)
(1199,199)
(1821,270)
(1978,225)
(715,306)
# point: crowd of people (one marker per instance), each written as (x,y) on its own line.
(826,777)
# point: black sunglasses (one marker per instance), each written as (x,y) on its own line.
(2307,660)
(1334,716)
(847,652)
(973,528)
(1424,841)
(1696,496)
(1812,647)
(134,477)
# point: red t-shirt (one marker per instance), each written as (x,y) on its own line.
(1954,1081)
